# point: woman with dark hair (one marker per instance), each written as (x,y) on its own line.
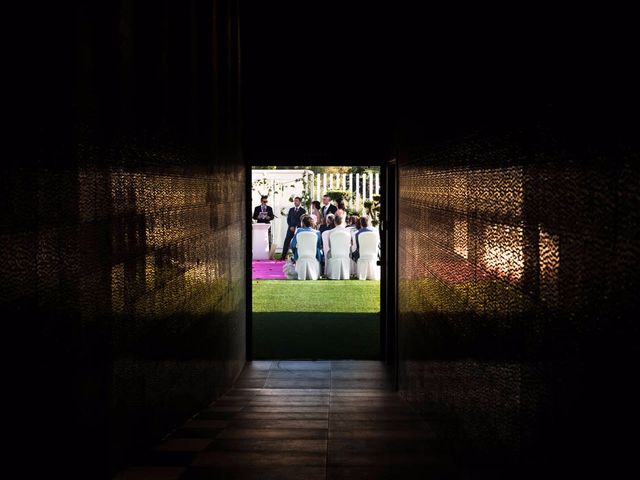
(328,223)
(315,211)
(353,222)
(342,208)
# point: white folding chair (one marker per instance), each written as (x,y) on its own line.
(368,259)
(338,263)
(307,265)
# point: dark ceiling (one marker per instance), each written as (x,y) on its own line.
(335,81)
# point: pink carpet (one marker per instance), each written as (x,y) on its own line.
(267,270)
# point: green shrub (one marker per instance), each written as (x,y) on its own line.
(336,195)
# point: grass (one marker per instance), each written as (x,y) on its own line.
(323,319)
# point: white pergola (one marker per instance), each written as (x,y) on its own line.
(280,186)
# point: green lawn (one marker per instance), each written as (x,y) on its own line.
(321,319)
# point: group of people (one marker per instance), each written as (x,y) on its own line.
(323,219)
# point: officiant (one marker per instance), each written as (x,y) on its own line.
(263,213)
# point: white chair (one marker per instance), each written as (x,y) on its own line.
(368,259)
(339,261)
(307,265)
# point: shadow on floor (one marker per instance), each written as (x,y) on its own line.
(301,420)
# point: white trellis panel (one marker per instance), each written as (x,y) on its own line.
(370,186)
(365,177)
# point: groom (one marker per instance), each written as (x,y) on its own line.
(327,208)
(293,221)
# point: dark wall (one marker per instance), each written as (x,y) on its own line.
(122,246)
(518,260)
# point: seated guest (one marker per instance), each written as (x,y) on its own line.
(353,222)
(328,226)
(306,223)
(364,227)
(339,224)
(354,226)
(328,223)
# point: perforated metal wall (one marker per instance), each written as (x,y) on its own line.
(122,244)
(517,295)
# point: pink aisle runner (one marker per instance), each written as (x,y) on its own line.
(267,270)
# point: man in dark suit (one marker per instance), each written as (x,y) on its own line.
(327,208)
(263,213)
(293,221)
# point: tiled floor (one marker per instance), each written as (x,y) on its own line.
(301,420)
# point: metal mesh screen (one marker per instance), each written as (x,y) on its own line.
(515,292)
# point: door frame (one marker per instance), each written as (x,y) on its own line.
(388,264)
(389,268)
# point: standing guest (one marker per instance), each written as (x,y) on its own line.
(263,213)
(293,221)
(341,209)
(306,227)
(327,208)
(315,211)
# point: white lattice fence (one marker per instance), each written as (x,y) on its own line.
(362,186)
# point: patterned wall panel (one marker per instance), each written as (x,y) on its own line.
(516,278)
(122,244)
